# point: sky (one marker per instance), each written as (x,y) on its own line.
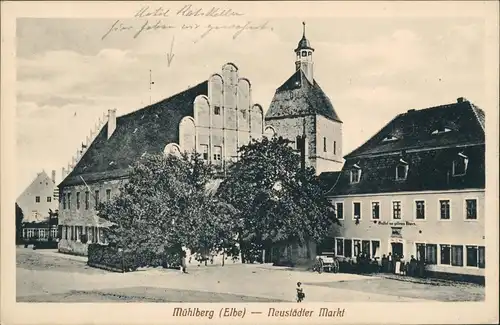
(371,68)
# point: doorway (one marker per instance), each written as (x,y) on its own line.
(397,249)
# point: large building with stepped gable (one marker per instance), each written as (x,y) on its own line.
(417,187)
(215,117)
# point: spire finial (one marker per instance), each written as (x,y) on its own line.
(304,28)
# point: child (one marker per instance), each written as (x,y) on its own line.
(300,292)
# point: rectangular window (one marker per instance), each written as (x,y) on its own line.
(444,209)
(64,201)
(396,210)
(445,254)
(431,254)
(77,200)
(340,210)
(459,167)
(53,233)
(457,255)
(375,210)
(481,257)
(69,201)
(108,195)
(375,248)
(217,153)
(216,110)
(64,234)
(324,144)
(96,198)
(347,248)
(356,210)
(49,199)
(401,172)
(204,151)
(37,199)
(365,247)
(420,210)
(355,175)
(87,198)
(420,251)
(472,256)
(334,147)
(339,244)
(471,209)
(357,247)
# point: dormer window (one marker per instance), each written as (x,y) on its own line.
(217,110)
(401,170)
(459,167)
(355,174)
(390,137)
(441,130)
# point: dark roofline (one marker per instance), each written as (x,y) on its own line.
(300,115)
(460,101)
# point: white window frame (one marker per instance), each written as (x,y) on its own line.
(37,199)
(352,248)
(371,246)
(400,209)
(204,150)
(379,210)
(415,210)
(439,251)
(465,256)
(439,209)
(466,162)
(343,209)
(343,246)
(215,158)
(465,209)
(360,210)
(352,174)
(405,173)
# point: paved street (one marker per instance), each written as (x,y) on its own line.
(47,276)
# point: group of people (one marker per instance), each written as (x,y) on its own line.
(396,264)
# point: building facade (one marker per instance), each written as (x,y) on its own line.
(40,196)
(300,108)
(214,118)
(417,188)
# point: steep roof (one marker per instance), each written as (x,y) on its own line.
(414,129)
(429,156)
(298,97)
(147,130)
(328,179)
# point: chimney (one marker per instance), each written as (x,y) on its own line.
(111,122)
(54,176)
(461,99)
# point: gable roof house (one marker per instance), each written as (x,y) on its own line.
(213,117)
(416,188)
(428,141)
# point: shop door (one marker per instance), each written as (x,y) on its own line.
(397,249)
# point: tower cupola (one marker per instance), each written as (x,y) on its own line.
(303,54)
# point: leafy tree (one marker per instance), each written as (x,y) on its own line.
(276,199)
(165,205)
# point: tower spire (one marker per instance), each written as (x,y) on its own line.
(304,29)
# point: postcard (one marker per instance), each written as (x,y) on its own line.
(249,162)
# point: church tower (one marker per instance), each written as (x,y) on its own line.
(303,54)
(300,108)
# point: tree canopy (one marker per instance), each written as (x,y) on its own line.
(275,198)
(165,204)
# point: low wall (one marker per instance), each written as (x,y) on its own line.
(72,247)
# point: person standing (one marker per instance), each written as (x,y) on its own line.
(413,266)
(183,261)
(390,263)
(384,263)
(300,292)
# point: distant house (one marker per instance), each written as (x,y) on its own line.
(215,118)
(40,196)
(417,188)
